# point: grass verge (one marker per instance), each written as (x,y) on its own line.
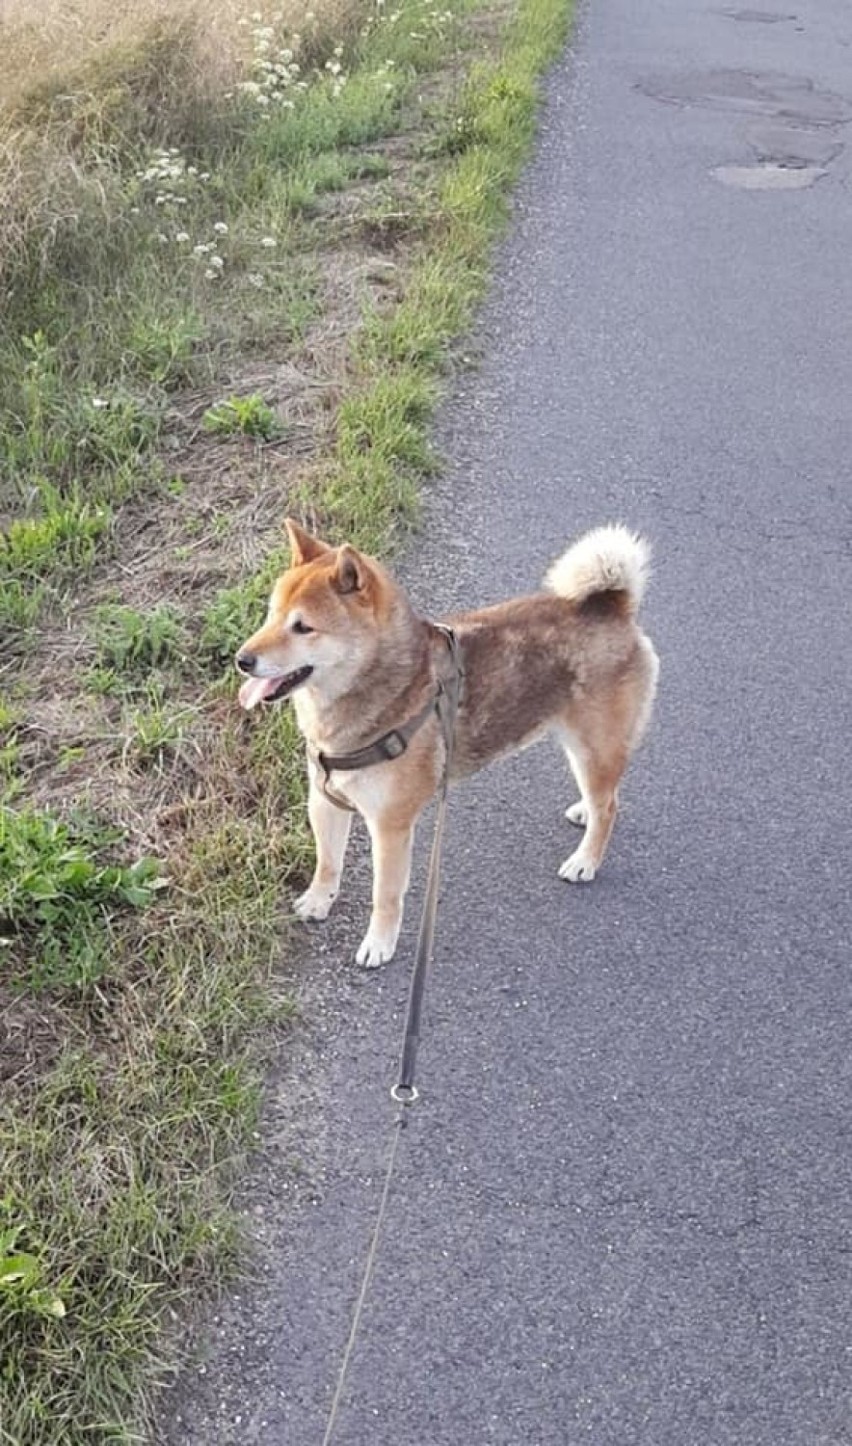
(229,314)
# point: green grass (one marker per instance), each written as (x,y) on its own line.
(63,538)
(148,988)
(58,896)
(155,731)
(244,416)
(131,641)
(233,614)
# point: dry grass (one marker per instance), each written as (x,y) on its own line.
(44,50)
(96,80)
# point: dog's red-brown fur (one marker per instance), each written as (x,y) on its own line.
(342,635)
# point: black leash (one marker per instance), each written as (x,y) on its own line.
(404,1092)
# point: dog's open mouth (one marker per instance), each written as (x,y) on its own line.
(270,690)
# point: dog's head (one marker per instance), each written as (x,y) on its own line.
(322,626)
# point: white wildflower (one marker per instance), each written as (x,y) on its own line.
(268,241)
(210,275)
(255,278)
(201,249)
(221,227)
(182,236)
(99,402)
(205,176)
(216,262)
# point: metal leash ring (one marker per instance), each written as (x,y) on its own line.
(404,1094)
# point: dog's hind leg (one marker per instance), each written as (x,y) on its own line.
(577,813)
(599,739)
(331,832)
(598,777)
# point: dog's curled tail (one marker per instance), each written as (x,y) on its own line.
(608,560)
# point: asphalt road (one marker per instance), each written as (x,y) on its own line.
(621,1212)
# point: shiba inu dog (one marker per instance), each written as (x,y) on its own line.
(365,672)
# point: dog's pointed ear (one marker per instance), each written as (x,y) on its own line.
(303,547)
(352,573)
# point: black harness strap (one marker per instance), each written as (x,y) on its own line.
(392,744)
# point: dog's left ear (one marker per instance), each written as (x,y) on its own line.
(352,572)
(303,547)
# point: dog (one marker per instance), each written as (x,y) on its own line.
(365,673)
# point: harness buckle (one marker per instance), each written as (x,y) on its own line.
(393,745)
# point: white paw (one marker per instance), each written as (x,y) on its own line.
(315,903)
(577,869)
(577,814)
(376,949)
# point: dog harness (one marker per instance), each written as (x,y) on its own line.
(395,742)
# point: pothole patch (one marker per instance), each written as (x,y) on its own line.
(792,146)
(759,17)
(794,130)
(768,177)
(781,97)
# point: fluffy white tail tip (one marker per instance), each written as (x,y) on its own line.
(609,559)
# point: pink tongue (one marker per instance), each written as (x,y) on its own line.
(256,689)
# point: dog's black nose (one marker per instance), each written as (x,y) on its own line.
(246,662)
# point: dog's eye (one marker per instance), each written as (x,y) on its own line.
(299,627)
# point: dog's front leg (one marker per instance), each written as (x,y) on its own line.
(331,832)
(391,847)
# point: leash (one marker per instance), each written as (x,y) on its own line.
(404,1092)
(399,1126)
